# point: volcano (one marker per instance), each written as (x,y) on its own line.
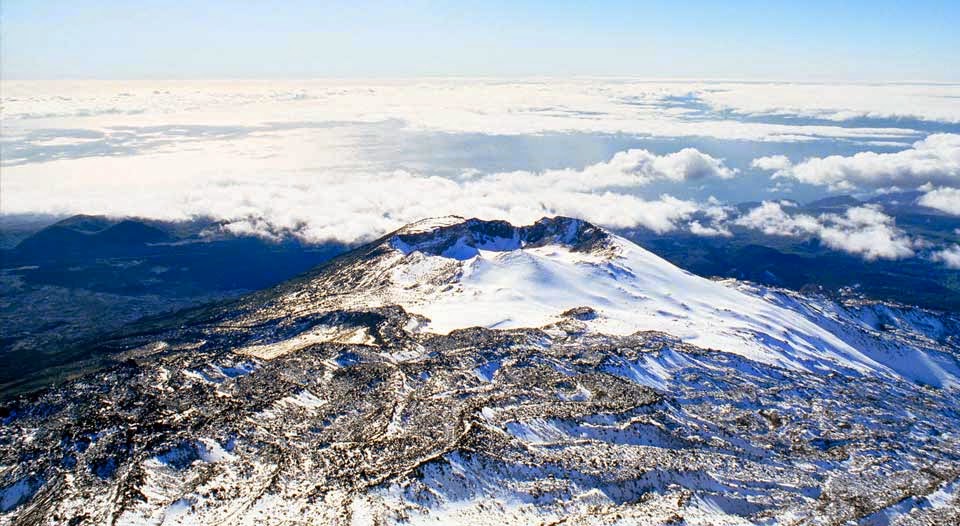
(469,371)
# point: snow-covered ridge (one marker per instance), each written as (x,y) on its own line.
(460,273)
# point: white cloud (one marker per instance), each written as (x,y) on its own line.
(862,230)
(838,102)
(271,196)
(949,256)
(717,230)
(447,105)
(771,219)
(638,167)
(943,199)
(867,231)
(321,158)
(772,163)
(691,164)
(933,159)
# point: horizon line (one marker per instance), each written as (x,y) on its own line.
(632,78)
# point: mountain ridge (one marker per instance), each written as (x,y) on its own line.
(459,273)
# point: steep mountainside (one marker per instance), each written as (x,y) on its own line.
(478,372)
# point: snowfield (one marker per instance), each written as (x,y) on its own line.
(469,278)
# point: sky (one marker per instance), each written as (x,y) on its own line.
(749,40)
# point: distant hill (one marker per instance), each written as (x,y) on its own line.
(81,235)
(836,201)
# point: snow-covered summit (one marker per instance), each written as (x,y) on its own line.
(459,273)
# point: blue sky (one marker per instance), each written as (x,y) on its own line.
(856,40)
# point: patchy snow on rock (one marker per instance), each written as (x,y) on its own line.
(319,334)
(474,372)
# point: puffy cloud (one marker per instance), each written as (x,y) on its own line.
(771,219)
(943,199)
(772,163)
(866,231)
(371,205)
(640,167)
(716,230)
(689,163)
(861,230)
(949,256)
(715,214)
(600,193)
(933,159)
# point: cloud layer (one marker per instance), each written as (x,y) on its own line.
(329,204)
(839,102)
(935,159)
(660,109)
(333,159)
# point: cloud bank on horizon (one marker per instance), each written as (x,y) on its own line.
(349,160)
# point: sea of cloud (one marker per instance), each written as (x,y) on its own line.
(330,160)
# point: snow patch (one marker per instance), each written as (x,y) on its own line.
(316,335)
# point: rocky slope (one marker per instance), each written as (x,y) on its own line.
(471,371)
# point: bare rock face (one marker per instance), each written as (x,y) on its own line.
(337,399)
(581,313)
